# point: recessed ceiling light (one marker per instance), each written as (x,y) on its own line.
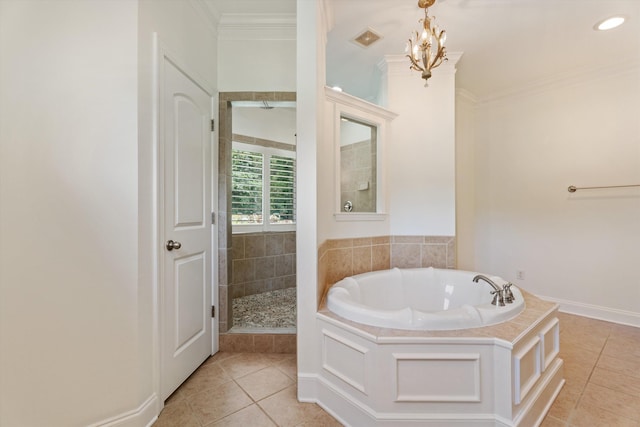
(609,23)
(337,88)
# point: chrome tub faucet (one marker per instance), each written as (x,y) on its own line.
(500,295)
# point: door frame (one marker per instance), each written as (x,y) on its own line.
(159,54)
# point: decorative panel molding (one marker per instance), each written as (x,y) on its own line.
(550,341)
(346,360)
(437,377)
(526,369)
(190,292)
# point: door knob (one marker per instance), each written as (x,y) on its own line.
(171,245)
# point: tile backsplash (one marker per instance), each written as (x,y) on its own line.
(340,258)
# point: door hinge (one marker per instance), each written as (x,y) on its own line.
(213,218)
(213,125)
(213,311)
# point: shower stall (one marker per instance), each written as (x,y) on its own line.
(257,238)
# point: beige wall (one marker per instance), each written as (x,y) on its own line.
(580,249)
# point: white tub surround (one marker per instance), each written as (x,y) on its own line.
(506,374)
(420,298)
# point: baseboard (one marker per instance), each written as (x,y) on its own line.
(144,415)
(307,388)
(596,312)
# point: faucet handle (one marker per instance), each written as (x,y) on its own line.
(508,295)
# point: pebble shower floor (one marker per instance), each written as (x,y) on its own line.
(273,309)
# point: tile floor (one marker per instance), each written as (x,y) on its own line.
(243,390)
(602,373)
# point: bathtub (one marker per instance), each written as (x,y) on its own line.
(420,299)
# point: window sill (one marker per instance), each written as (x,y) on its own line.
(271,228)
(360,216)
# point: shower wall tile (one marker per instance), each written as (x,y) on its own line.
(274,244)
(266,263)
(237,246)
(223,313)
(285,265)
(254,245)
(287,282)
(223,231)
(236,290)
(223,277)
(256,287)
(290,243)
(265,268)
(243,270)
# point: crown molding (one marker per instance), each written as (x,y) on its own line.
(399,64)
(328,15)
(563,80)
(209,14)
(466,96)
(254,26)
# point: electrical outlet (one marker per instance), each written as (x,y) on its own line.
(520,274)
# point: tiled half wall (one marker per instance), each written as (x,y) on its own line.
(340,258)
(263,262)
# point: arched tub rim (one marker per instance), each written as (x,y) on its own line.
(486,315)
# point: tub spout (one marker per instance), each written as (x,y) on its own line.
(498,298)
(489,281)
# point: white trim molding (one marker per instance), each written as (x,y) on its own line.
(607,314)
(263,26)
(143,415)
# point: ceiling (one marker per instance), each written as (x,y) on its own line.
(506,44)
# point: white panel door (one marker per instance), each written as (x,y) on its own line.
(186,282)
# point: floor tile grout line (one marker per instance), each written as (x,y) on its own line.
(234,412)
(267,414)
(572,413)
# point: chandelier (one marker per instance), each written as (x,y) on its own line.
(426,49)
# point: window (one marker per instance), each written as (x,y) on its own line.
(263,187)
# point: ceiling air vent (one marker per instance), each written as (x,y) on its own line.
(366,38)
